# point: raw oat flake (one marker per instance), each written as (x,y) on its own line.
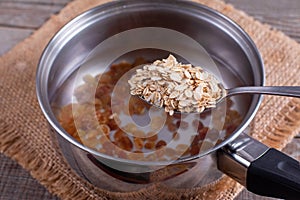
(175,86)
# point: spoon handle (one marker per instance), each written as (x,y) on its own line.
(291,91)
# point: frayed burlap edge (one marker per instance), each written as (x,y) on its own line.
(275,125)
(68,185)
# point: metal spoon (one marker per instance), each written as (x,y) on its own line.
(291,91)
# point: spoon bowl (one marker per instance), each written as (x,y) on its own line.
(288,91)
(186,88)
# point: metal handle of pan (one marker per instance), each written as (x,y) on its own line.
(263,170)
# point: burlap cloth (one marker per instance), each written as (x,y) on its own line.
(24,133)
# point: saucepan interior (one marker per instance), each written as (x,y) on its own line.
(164,27)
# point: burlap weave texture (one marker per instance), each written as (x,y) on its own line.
(24,132)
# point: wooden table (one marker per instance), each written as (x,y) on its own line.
(19,18)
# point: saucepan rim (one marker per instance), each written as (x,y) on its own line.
(85,19)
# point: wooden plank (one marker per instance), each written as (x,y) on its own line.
(61,2)
(9,37)
(293,149)
(29,16)
(280,14)
(271,7)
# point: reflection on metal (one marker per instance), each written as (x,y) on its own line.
(235,158)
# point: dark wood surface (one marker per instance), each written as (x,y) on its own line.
(19,18)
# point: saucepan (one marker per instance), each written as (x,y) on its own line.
(111,40)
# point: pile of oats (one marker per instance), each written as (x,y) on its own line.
(176,86)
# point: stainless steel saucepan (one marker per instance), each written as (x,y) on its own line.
(123,30)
